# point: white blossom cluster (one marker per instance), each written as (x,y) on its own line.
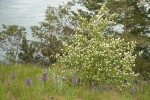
(100,57)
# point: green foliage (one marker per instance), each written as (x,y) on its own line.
(143,61)
(11,39)
(101,57)
(92,5)
(134,16)
(14,45)
(27,51)
(57,26)
(47,45)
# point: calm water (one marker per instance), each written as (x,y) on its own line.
(25,12)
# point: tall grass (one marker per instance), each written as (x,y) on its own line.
(49,84)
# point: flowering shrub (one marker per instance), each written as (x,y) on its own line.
(96,55)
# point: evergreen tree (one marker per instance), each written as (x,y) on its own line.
(131,13)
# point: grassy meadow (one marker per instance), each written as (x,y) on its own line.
(27,82)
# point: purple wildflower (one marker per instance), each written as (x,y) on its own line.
(75,80)
(136,81)
(28,82)
(44,78)
(94,87)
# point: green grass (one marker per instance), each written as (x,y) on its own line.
(54,87)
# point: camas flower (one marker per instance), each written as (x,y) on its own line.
(28,82)
(75,80)
(44,78)
(136,81)
(94,87)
